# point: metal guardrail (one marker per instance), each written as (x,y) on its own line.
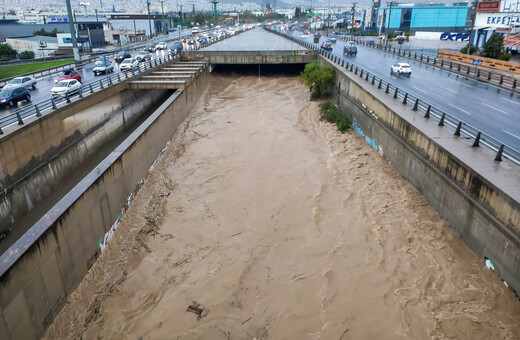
(442,118)
(499,79)
(17,116)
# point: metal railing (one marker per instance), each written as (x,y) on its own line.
(429,111)
(18,116)
(499,79)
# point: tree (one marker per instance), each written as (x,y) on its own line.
(43,32)
(6,52)
(26,55)
(319,78)
(493,47)
(199,19)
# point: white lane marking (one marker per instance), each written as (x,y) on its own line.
(459,82)
(512,134)
(494,108)
(458,108)
(418,89)
(452,91)
(511,101)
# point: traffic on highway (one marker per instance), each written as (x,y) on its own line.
(493,110)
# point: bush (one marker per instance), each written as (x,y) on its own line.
(26,55)
(493,47)
(505,56)
(332,114)
(472,50)
(319,78)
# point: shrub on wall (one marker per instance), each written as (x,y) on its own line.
(332,113)
(319,78)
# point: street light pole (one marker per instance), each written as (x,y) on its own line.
(162,8)
(149,21)
(471,31)
(75,48)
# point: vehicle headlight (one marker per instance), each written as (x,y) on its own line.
(3,101)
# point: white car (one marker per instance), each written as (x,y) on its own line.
(161,46)
(129,64)
(24,81)
(401,68)
(305,35)
(64,87)
(143,56)
(103,67)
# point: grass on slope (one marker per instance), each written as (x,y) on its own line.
(16,70)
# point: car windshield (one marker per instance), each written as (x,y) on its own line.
(142,53)
(16,81)
(62,84)
(127,61)
(5,93)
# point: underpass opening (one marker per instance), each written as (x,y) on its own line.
(260,69)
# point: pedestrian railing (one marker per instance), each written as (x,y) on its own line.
(19,115)
(434,114)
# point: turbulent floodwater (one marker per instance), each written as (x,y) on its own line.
(280,227)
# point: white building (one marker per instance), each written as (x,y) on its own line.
(502,17)
(40,45)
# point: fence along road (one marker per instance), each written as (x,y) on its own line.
(440,117)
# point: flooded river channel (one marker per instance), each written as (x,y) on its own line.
(263,222)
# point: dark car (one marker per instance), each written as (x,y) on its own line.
(12,96)
(151,48)
(68,73)
(122,55)
(175,48)
(317,35)
(350,50)
(327,46)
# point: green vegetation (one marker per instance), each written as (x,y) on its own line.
(26,55)
(6,52)
(331,113)
(494,47)
(10,71)
(472,50)
(319,78)
(44,33)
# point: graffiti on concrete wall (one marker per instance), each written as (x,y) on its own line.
(455,36)
(369,140)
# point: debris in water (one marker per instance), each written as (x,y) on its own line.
(196,308)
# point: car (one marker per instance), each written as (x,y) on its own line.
(192,41)
(332,40)
(327,46)
(104,59)
(351,43)
(103,67)
(317,35)
(337,33)
(203,40)
(175,48)
(143,56)
(122,55)
(150,48)
(24,81)
(66,87)
(350,50)
(162,45)
(11,96)
(129,64)
(401,68)
(304,35)
(185,39)
(68,73)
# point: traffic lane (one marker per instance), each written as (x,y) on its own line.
(468,101)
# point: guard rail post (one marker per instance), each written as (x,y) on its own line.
(395,92)
(91,89)
(101,84)
(405,99)
(441,122)
(80,92)
(37,109)
(457,131)
(387,88)
(416,104)
(20,121)
(67,97)
(476,143)
(427,114)
(498,157)
(53,103)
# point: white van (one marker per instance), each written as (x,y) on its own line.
(195,30)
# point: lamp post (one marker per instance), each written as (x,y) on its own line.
(471,30)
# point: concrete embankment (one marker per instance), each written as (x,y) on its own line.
(477,196)
(44,266)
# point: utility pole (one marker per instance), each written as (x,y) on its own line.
(95,10)
(149,21)
(352,21)
(162,8)
(75,48)
(471,31)
(328,21)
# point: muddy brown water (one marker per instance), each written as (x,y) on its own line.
(270,224)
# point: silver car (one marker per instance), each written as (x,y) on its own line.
(24,81)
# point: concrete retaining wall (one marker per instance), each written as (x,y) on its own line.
(38,157)
(47,263)
(482,209)
(254,57)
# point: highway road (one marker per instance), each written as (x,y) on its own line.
(490,109)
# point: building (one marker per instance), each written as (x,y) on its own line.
(501,17)
(139,22)
(40,45)
(434,18)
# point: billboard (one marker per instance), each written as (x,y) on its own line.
(497,20)
(488,6)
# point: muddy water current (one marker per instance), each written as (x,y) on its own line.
(263,222)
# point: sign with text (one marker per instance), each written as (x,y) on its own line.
(495,20)
(488,6)
(477,62)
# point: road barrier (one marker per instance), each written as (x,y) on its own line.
(442,118)
(18,116)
